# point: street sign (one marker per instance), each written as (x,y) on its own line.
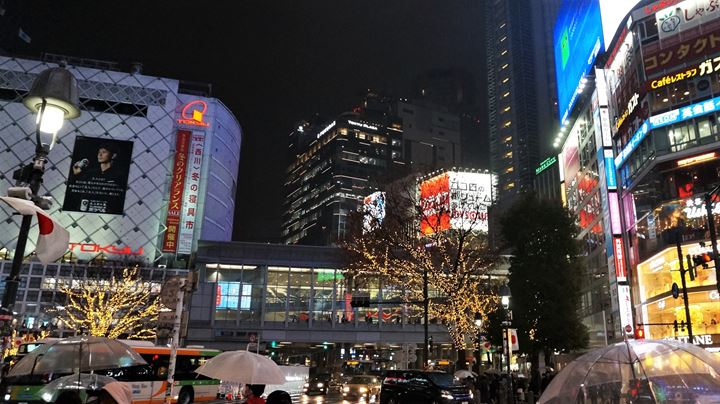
(628,328)
(675,290)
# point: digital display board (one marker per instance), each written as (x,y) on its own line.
(578,38)
(455,200)
(613,13)
(373,211)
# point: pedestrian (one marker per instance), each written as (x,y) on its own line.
(253,393)
(279,397)
(115,393)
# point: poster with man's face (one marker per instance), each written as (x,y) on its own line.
(98,175)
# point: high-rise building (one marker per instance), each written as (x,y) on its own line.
(519,94)
(336,164)
(431,135)
(456,91)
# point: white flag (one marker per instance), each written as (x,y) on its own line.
(52,240)
(514,340)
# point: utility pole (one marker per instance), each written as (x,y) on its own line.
(684,285)
(425,315)
(713,233)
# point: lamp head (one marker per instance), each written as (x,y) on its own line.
(54,97)
(505,296)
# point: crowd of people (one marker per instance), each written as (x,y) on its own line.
(492,387)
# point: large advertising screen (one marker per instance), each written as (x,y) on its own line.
(455,200)
(578,38)
(613,12)
(98,176)
(373,211)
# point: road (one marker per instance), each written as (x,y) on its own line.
(332,398)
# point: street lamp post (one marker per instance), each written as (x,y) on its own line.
(505,300)
(478,341)
(54,97)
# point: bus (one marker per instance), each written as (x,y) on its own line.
(147,382)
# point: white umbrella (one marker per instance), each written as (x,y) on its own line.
(464,374)
(242,367)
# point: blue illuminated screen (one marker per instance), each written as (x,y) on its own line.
(578,38)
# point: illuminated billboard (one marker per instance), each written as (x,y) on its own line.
(578,38)
(685,15)
(455,200)
(373,211)
(613,13)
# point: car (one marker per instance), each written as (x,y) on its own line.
(318,384)
(362,386)
(413,387)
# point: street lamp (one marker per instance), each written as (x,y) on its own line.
(505,301)
(54,97)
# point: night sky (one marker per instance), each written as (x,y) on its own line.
(271,62)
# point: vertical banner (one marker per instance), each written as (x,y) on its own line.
(192,192)
(177,187)
(626,309)
(620,263)
(615,219)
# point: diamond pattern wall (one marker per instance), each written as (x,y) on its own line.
(116,105)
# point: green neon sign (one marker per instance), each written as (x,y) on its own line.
(545,164)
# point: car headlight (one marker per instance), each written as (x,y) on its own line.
(307,385)
(446,395)
(346,389)
(470,393)
(363,389)
(320,385)
(7,397)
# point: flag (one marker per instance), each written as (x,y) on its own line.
(514,340)
(52,240)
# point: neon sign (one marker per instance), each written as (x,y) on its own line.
(695,160)
(324,131)
(620,268)
(193,113)
(665,119)
(362,125)
(107,249)
(545,164)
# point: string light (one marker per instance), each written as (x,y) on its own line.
(113,308)
(458,264)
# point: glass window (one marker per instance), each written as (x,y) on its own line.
(276,293)
(681,136)
(325,281)
(299,295)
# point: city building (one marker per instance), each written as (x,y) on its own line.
(547,180)
(520,99)
(667,143)
(457,91)
(431,136)
(294,300)
(172,151)
(335,164)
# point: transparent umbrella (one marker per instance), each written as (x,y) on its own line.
(77,355)
(638,371)
(77,382)
(243,367)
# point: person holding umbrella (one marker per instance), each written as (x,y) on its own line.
(253,393)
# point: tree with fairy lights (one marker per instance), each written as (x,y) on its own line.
(429,228)
(123,306)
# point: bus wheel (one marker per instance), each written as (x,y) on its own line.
(186,396)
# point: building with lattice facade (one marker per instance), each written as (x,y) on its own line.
(175,152)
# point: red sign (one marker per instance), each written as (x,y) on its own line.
(193,113)
(218,296)
(620,269)
(107,249)
(177,188)
(435,204)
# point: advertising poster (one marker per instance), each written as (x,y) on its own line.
(177,188)
(470,196)
(191,194)
(373,211)
(98,176)
(435,204)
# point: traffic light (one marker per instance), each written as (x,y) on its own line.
(273,344)
(639,332)
(681,325)
(430,343)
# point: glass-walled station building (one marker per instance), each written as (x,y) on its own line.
(294,301)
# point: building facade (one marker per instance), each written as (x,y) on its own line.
(335,164)
(431,136)
(295,300)
(519,97)
(667,143)
(174,162)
